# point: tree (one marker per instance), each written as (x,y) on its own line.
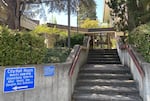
(3,13)
(12,7)
(129,13)
(90,23)
(87,12)
(144,8)
(119,14)
(132,14)
(15,8)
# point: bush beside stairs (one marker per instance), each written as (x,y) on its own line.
(104,78)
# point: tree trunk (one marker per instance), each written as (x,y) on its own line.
(132,7)
(13,14)
(131,21)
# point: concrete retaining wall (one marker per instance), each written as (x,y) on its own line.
(142,81)
(55,88)
(46,88)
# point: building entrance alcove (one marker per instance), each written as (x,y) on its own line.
(102,39)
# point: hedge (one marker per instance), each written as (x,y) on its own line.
(17,48)
(74,39)
(140,38)
(56,55)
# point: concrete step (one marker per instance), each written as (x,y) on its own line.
(102,56)
(103,59)
(106,90)
(103,50)
(94,76)
(104,67)
(102,82)
(105,71)
(108,66)
(105,97)
(103,62)
(100,53)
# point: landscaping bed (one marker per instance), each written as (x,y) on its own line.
(21,48)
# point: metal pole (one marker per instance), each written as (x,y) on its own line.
(69,24)
(77,9)
(19,26)
(20,13)
(77,22)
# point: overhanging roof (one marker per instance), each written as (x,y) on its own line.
(82,30)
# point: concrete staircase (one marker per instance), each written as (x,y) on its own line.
(103,56)
(103,78)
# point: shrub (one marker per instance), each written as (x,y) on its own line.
(19,48)
(140,38)
(57,54)
(76,39)
(53,36)
(56,37)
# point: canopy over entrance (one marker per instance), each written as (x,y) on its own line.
(100,37)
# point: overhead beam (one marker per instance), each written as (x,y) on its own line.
(37,2)
(82,30)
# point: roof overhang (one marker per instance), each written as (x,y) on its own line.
(82,30)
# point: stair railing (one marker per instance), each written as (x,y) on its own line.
(139,68)
(129,50)
(85,47)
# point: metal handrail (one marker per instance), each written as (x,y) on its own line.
(74,61)
(71,71)
(135,61)
(138,66)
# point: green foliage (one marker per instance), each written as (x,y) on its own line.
(52,35)
(19,48)
(57,54)
(104,25)
(128,14)
(87,12)
(90,23)
(57,37)
(44,29)
(119,14)
(140,38)
(113,43)
(76,39)
(143,12)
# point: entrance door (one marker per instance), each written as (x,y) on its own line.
(101,41)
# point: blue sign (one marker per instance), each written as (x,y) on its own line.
(49,70)
(18,79)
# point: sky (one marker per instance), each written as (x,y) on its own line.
(63,19)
